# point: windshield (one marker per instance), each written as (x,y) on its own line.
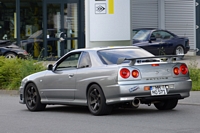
(111,56)
(141,34)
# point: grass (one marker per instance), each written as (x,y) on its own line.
(194,74)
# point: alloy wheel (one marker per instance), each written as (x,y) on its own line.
(179,50)
(95,100)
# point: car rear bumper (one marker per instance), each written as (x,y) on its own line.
(128,92)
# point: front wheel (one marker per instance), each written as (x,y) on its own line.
(166,104)
(32,98)
(96,101)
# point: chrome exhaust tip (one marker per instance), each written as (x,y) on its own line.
(135,103)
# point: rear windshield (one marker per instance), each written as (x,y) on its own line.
(111,56)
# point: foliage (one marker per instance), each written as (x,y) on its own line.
(194,75)
(12,71)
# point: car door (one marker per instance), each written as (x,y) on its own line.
(162,44)
(169,41)
(155,45)
(60,82)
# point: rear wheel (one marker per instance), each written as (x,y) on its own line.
(10,55)
(179,50)
(96,101)
(32,98)
(166,104)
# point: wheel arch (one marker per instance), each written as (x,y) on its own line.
(26,86)
(174,52)
(89,85)
(10,52)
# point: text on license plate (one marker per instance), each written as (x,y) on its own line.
(158,90)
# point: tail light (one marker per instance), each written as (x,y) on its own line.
(25,53)
(183,69)
(154,65)
(124,73)
(135,73)
(176,71)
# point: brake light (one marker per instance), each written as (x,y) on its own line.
(124,73)
(154,65)
(135,73)
(176,71)
(183,69)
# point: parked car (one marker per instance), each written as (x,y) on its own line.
(10,50)
(160,42)
(34,43)
(103,78)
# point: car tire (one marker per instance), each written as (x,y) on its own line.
(166,104)
(96,101)
(10,55)
(179,50)
(32,98)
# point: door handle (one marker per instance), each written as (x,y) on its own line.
(71,75)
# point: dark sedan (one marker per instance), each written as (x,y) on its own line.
(10,50)
(160,42)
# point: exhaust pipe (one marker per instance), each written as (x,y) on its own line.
(135,103)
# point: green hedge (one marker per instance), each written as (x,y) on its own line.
(194,75)
(12,71)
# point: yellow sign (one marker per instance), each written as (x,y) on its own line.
(111,6)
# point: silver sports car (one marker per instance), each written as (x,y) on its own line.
(103,78)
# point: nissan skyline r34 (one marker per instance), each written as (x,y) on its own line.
(104,78)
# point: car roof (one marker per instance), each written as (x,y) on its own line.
(148,29)
(106,48)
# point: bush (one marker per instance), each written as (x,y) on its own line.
(12,71)
(194,75)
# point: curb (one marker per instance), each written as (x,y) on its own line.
(9,92)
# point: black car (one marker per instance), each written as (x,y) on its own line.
(160,42)
(10,50)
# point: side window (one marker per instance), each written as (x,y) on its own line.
(85,60)
(157,35)
(167,35)
(70,62)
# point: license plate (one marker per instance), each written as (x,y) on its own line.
(158,90)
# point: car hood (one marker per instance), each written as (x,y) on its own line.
(10,45)
(35,77)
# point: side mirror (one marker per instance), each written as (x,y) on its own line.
(50,67)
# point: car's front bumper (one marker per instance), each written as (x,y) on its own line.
(180,90)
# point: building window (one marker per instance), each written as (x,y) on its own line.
(31,26)
(8,20)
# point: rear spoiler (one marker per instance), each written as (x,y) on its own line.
(162,58)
